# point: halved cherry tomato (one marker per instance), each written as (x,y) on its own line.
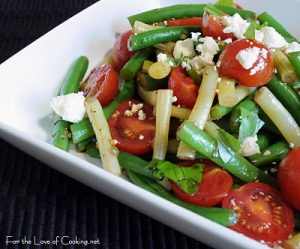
(102,83)
(184,88)
(215,185)
(289,177)
(120,52)
(133,133)
(262,213)
(229,65)
(212,26)
(193,21)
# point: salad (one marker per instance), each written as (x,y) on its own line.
(199,104)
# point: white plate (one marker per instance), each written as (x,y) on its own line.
(31,77)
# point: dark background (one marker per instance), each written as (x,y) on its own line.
(35,200)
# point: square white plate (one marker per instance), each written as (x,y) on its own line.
(31,77)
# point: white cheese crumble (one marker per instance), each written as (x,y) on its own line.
(292,47)
(134,108)
(186,64)
(141,137)
(235,24)
(141,115)
(292,145)
(249,147)
(228,41)
(247,57)
(270,37)
(184,48)
(174,99)
(162,57)
(195,36)
(70,107)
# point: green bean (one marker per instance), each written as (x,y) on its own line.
(81,146)
(84,130)
(208,146)
(217,111)
(92,150)
(234,121)
(180,11)
(60,135)
(81,131)
(135,164)
(160,35)
(265,17)
(135,63)
(263,140)
(126,91)
(287,96)
(271,154)
(222,216)
(150,84)
(295,61)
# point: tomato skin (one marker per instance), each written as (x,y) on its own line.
(215,185)
(288,176)
(103,83)
(120,52)
(262,213)
(194,21)
(184,88)
(230,67)
(212,26)
(127,129)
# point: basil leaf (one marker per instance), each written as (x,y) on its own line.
(227,146)
(211,9)
(250,32)
(187,178)
(229,3)
(250,124)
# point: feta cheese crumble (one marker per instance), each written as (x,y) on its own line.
(70,107)
(228,41)
(134,108)
(162,57)
(292,47)
(247,57)
(235,24)
(249,147)
(270,37)
(184,48)
(195,36)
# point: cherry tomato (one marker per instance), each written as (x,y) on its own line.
(229,65)
(212,26)
(184,88)
(215,185)
(134,134)
(194,21)
(102,83)
(289,177)
(120,52)
(262,213)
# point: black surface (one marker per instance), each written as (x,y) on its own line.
(40,203)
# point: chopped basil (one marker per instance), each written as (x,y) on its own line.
(250,124)
(187,178)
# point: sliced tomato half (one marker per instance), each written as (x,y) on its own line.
(262,213)
(215,185)
(133,130)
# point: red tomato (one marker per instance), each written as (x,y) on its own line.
(229,65)
(262,213)
(134,135)
(102,83)
(215,185)
(289,177)
(184,88)
(194,21)
(212,26)
(120,52)
(237,6)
